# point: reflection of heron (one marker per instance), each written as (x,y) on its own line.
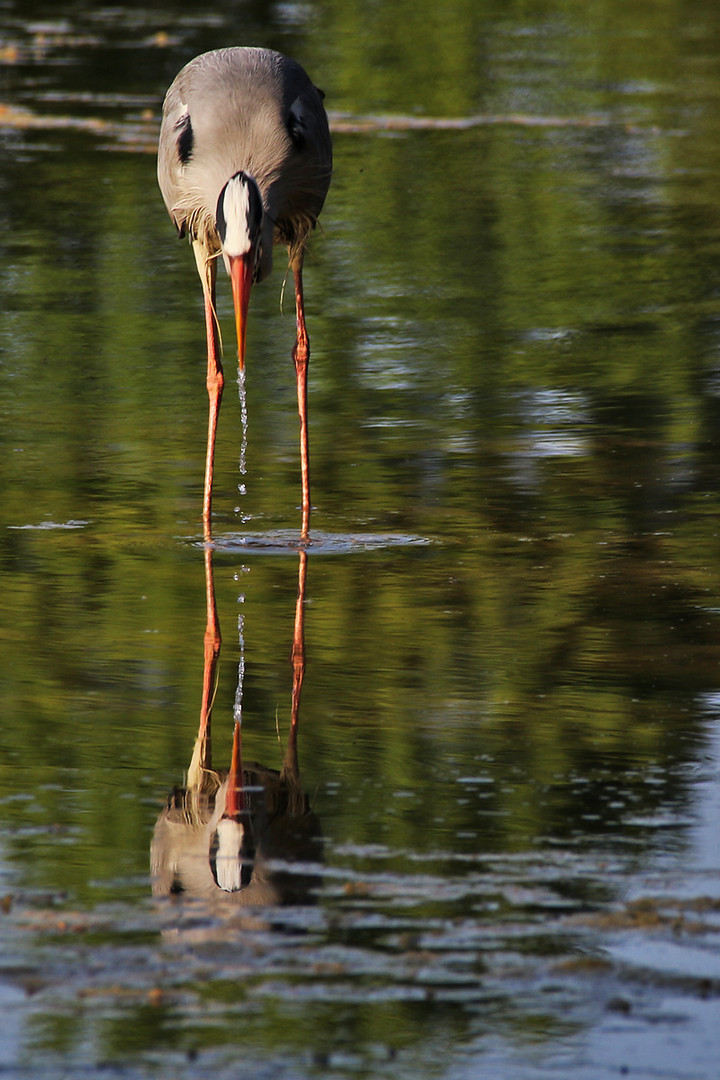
(244,161)
(236,836)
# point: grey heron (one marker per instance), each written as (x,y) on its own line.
(244,162)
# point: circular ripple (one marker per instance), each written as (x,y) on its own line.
(282,541)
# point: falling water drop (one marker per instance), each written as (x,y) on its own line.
(237,706)
(242,464)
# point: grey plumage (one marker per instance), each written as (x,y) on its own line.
(252,110)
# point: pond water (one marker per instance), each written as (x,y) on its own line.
(479,714)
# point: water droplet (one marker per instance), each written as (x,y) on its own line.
(242,393)
(237,706)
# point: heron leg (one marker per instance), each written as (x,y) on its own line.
(301,359)
(207,269)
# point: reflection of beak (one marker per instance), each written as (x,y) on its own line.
(241,275)
(231,870)
(232,848)
(235,796)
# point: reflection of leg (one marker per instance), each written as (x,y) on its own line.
(290,773)
(207,268)
(297,659)
(201,762)
(301,358)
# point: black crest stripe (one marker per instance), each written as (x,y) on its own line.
(185,138)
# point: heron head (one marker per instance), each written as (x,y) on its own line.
(239,216)
(239,219)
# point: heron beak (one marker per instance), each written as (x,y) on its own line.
(235,797)
(241,276)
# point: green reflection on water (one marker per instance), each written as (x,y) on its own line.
(501,329)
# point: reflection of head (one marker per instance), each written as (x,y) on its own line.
(232,853)
(266,854)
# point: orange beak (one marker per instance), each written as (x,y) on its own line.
(241,275)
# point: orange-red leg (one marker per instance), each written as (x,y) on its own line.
(301,358)
(207,268)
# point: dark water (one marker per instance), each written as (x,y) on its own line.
(507,730)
